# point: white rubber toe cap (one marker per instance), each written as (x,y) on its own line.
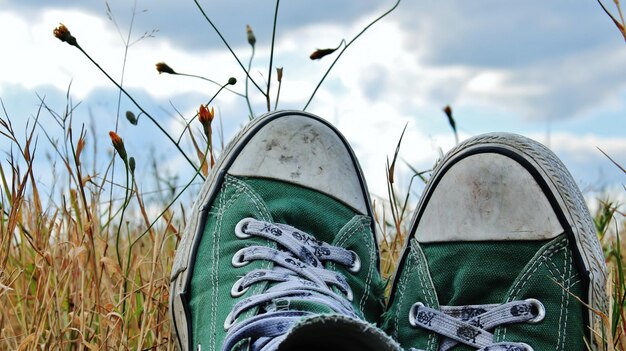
(484,197)
(306,152)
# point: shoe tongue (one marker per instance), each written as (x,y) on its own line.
(306,209)
(471,273)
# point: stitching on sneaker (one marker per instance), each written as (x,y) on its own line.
(400,289)
(239,190)
(263,212)
(358,223)
(535,265)
(214,261)
(221,209)
(422,267)
(256,200)
(538,262)
(370,272)
(563,297)
(569,263)
(553,267)
(222,205)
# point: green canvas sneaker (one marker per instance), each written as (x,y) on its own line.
(502,255)
(280,251)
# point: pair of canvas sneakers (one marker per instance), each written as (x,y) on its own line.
(280,251)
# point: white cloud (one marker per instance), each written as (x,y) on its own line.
(382,82)
(43,60)
(588,143)
(584,148)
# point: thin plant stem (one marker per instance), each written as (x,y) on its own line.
(119,227)
(140,108)
(269,74)
(117,241)
(209,80)
(124,60)
(280,83)
(247,96)
(620,26)
(345,48)
(119,93)
(227,46)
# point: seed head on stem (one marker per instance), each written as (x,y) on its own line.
(205,116)
(163,67)
(251,37)
(63,34)
(118,145)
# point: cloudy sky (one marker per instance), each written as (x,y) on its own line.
(550,70)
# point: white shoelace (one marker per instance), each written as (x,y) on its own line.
(298,274)
(470,325)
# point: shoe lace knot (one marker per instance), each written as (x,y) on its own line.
(298,276)
(470,325)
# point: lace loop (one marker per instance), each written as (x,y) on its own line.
(541,311)
(240,229)
(239,259)
(355,267)
(238,289)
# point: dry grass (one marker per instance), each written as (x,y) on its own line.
(80,269)
(62,284)
(67,282)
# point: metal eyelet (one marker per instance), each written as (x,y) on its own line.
(527,347)
(541,311)
(349,295)
(240,229)
(356,264)
(237,290)
(237,260)
(229,321)
(413,313)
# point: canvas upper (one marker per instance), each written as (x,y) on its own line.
(502,255)
(280,241)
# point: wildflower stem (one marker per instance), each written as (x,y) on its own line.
(269,75)
(227,46)
(124,60)
(209,80)
(119,94)
(247,96)
(346,47)
(620,26)
(619,11)
(140,108)
(277,95)
(119,227)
